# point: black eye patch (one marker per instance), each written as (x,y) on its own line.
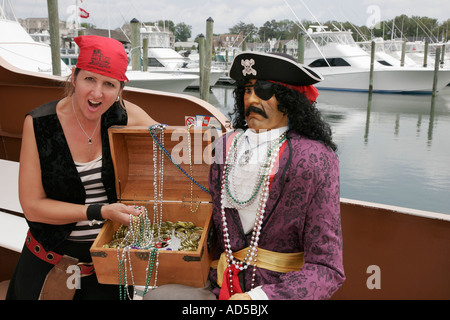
(263,89)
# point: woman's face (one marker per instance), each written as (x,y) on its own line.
(94,93)
(262,114)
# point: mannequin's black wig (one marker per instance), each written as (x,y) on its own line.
(303,116)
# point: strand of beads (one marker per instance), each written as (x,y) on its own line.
(122,287)
(192,209)
(231,159)
(158,176)
(157,127)
(251,257)
(231,192)
(123,280)
(153,261)
(139,236)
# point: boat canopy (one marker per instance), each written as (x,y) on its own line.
(327,37)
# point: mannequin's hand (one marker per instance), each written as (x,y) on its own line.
(240,296)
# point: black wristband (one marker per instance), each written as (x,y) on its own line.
(94,212)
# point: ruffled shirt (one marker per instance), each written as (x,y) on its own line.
(246,173)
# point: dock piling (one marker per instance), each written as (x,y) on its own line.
(443,55)
(145,54)
(301,48)
(205,75)
(135,50)
(425,54)
(52,6)
(201,53)
(402,59)
(372,61)
(436,72)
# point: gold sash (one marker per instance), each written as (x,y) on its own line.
(270,260)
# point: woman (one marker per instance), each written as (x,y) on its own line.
(66,177)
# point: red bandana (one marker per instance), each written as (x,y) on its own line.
(310,91)
(102,55)
(225,290)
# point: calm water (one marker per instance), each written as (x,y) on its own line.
(396,152)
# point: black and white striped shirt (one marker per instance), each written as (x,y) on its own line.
(90,175)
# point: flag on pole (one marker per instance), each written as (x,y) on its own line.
(83,13)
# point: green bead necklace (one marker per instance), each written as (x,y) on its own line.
(263,170)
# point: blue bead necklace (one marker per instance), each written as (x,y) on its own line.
(156,128)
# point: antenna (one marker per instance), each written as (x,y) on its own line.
(306,31)
(306,7)
(3,10)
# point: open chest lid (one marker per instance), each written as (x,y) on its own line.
(186,155)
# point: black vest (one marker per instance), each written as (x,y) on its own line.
(60,177)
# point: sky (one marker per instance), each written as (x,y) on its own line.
(227,13)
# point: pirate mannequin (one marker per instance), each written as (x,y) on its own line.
(275,188)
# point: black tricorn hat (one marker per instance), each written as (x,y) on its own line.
(272,66)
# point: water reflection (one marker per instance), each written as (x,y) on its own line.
(393,149)
(398,105)
(389,152)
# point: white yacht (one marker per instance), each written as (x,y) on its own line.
(175,83)
(19,49)
(345,66)
(163,59)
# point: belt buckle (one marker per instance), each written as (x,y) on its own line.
(81,264)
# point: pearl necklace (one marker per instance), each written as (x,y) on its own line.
(192,208)
(251,256)
(158,176)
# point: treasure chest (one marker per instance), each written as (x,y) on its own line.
(165,170)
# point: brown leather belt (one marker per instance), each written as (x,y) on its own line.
(86,268)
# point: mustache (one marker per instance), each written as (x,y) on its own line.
(255,110)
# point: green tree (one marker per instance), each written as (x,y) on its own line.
(268,30)
(182,31)
(248,30)
(87,25)
(166,25)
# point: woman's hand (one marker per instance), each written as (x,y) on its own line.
(119,212)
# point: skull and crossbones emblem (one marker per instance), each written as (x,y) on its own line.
(248,64)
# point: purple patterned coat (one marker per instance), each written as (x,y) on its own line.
(302,214)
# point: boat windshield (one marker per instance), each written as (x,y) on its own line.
(156,37)
(324,38)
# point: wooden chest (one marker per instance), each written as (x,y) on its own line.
(132,153)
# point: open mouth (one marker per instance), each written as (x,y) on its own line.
(94,104)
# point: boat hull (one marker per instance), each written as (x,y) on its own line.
(396,80)
(162,82)
(394,253)
(213,78)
